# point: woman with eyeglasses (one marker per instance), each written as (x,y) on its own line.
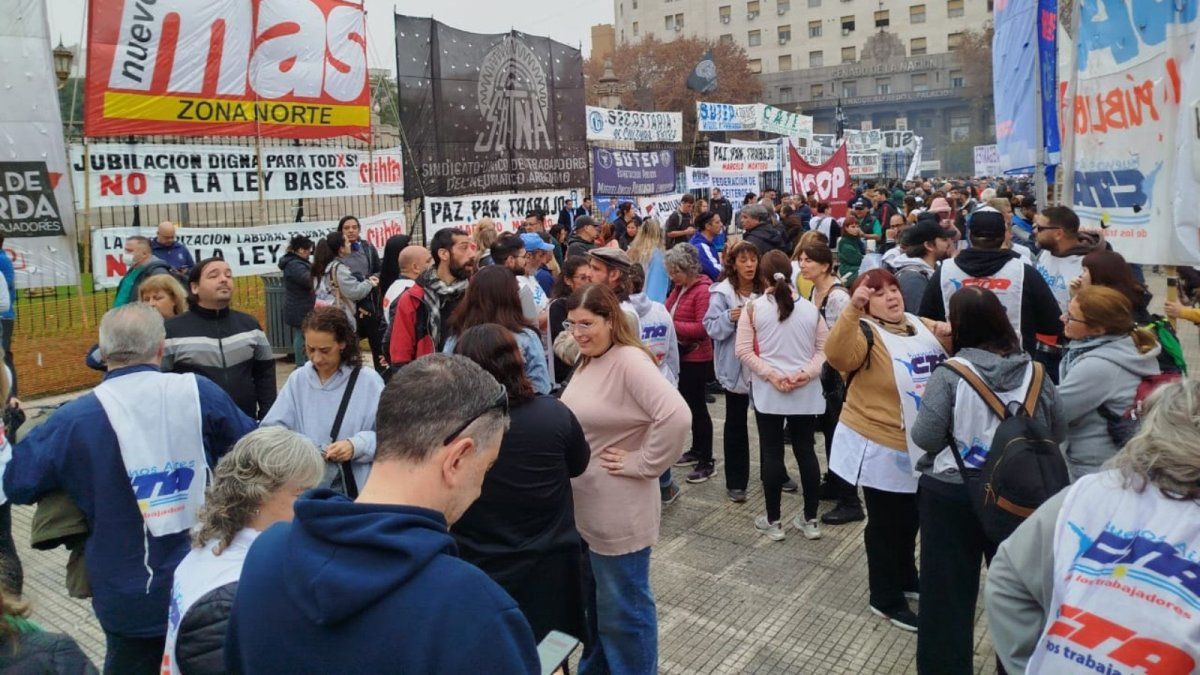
(521,530)
(635,423)
(1105,361)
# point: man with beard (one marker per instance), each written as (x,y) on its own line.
(719,204)
(925,244)
(421,312)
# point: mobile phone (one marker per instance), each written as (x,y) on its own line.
(554,650)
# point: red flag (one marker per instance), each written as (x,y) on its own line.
(830,180)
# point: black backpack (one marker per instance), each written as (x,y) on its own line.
(1024,466)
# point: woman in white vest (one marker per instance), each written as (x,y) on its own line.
(953,542)
(253,488)
(780,339)
(887,357)
(1103,576)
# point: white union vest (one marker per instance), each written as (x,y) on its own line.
(1126,583)
(974,422)
(1008,285)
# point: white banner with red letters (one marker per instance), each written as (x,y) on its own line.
(508,210)
(250,251)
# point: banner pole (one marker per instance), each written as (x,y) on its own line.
(86,263)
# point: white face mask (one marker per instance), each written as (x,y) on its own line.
(127,258)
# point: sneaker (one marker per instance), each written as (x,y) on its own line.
(790,486)
(843,514)
(808,528)
(701,473)
(774,531)
(912,596)
(669,494)
(736,496)
(904,618)
(687,459)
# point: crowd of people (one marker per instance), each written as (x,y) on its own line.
(493,467)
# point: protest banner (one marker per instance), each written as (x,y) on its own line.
(135,174)
(987,160)
(36,217)
(735,186)
(864,165)
(659,206)
(501,112)
(1129,85)
(606,124)
(830,180)
(250,251)
(625,173)
(697,178)
(727,116)
(508,210)
(778,121)
(1014,78)
(227,68)
(743,157)
(902,139)
(863,142)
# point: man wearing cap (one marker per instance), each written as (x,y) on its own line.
(583,238)
(924,245)
(1024,211)
(538,252)
(1027,300)
(870,226)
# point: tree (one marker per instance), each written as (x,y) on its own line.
(657,73)
(974,57)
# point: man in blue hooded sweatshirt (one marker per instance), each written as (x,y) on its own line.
(375,585)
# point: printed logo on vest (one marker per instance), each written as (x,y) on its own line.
(1107,647)
(1127,560)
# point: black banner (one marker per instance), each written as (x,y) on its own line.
(488,113)
(27,204)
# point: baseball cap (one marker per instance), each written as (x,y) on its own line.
(987,223)
(584,221)
(613,257)
(860,204)
(534,243)
(927,230)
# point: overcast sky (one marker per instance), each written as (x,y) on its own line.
(568,21)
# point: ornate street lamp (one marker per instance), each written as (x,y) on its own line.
(62,63)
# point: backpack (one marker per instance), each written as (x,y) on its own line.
(1024,466)
(1123,426)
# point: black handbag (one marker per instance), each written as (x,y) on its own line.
(345,473)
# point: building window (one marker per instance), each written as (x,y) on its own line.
(621,9)
(725,13)
(814,3)
(991,6)
(727,38)
(920,82)
(754,38)
(847,54)
(850,88)
(916,14)
(785,93)
(755,66)
(883,85)
(785,63)
(916,47)
(622,35)
(814,29)
(847,25)
(752,9)
(956,79)
(635,29)
(673,22)
(635,4)
(960,127)
(882,19)
(925,123)
(954,8)
(816,59)
(953,41)
(783,6)
(785,34)
(817,91)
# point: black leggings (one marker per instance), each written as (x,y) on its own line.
(737,441)
(693,377)
(770,448)
(891,542)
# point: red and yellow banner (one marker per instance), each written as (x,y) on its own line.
(282,68)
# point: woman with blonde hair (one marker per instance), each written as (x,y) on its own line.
(635,423)
(484,236)
(649,250)
(165,293)
(253,487)
(1115,554)
(1106,359)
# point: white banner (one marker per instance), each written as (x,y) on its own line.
(902,139)
(914,167)
(864,165)
(659,206)
(606,124)
(738,157)
(250,251)
(863,142)
(35,195)
(133,174)
(508,210)
(778,121)
(727,116)
(697,178)
(987,160)
(735,186)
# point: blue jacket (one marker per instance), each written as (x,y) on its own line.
(710,264)
(370,588)
(176,255)
(6,268)
(76,450)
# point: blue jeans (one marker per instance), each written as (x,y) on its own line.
(665,480)
(621,609)
(298,347)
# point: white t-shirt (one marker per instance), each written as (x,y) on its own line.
(398,286)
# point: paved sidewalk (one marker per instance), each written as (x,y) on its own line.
(729,600)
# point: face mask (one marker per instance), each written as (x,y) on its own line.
(127,258)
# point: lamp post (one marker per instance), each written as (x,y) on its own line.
(609,88)
(62,63)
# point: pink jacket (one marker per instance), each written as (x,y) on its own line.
(689,320)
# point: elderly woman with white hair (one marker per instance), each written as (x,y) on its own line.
(688,303)
(1105,574)
(254,487)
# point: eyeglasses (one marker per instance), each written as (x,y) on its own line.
(584,326)
(1071,318)
(500,403)
(1039,228)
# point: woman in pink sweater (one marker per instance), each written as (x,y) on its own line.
(635,423)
